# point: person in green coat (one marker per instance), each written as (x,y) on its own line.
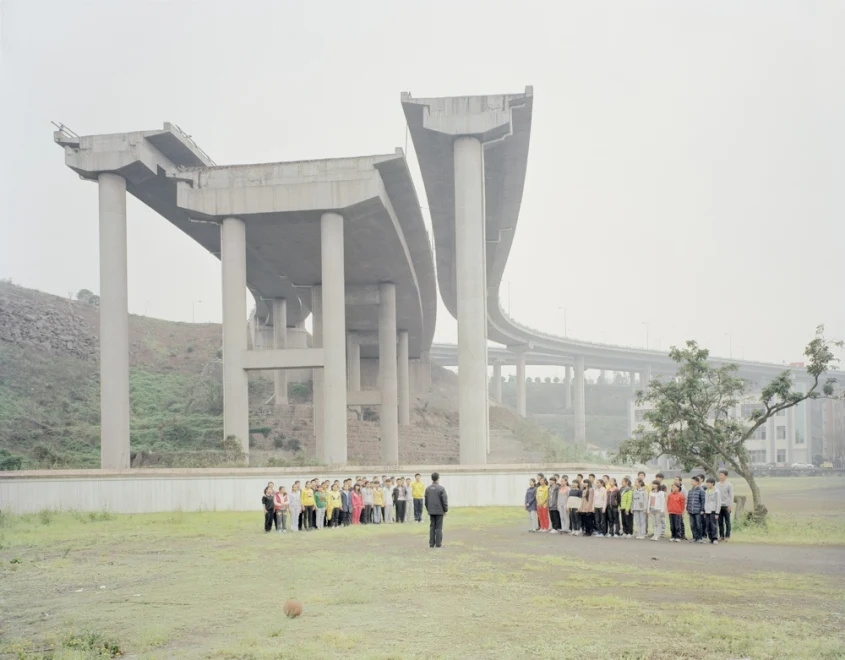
(320,500)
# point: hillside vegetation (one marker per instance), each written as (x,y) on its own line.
(49,400)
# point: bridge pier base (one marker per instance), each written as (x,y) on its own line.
(280,341)
(404,381)
(389,413)
(334,340)
(471,281)
(235,386)
(579,401)
(114,325)
(497,382)
(521,394)
(567,389)
(353,365)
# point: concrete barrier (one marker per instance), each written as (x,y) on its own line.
(240,489)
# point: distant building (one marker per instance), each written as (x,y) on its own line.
(794,435)
(833,430)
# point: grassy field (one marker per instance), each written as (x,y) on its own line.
(211,585)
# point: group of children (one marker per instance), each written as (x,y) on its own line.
(316,504)
(601,507)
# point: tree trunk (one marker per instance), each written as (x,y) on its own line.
(760,511)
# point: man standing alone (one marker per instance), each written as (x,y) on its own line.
(436,505)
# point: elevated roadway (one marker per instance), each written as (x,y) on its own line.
(341,238)
(473,156)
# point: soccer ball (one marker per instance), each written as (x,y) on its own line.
(292,609)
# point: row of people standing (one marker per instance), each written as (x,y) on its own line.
(317,505)
(589,506)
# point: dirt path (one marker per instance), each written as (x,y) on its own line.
(723,559)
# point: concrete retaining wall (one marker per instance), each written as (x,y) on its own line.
(150,490)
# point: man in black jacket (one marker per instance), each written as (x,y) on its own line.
(436,505)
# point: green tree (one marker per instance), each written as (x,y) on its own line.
(691,418)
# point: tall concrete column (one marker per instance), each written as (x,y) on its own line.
(114,325)
(404,380)
(470,262)
(567,389)
(353,363)
(317,376)
(520,385)
(632,376)
(497,382)
(579,401)
(425,368)
(334,340)
(389,413)
(235,389)
(280,341)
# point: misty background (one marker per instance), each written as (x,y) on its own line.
(682,176)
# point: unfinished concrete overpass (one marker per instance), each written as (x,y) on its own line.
(473,155)
(342,238)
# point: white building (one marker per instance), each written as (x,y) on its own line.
(784,439)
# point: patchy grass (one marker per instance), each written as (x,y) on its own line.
(803,511)
(211,585)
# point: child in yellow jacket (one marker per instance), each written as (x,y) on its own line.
(543,505)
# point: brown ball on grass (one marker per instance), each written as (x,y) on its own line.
(292,609)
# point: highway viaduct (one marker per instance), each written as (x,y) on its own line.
(344,240)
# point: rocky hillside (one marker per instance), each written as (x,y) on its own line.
(49,399)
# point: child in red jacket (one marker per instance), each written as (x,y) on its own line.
(676,505)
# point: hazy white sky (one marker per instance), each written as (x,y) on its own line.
(684,158)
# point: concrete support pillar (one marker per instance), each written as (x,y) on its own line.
(317,378)
(425,370)
(567,389)
(353,363)
(334,340)
(404,380)
(470,262)
(497,382)
(389,413)
(520,385)
(416,377)
(280,341)
(235,390)
(646,376)
(579,401)
(114,325)
(632,376)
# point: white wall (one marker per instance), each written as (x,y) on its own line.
(147,491)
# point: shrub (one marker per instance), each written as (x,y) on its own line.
(176,432)
(9,462)
(299,390)
(232,449)
(45,456)
(279,442)
(92,644)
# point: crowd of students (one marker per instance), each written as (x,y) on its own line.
(588,506)
(319,505)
